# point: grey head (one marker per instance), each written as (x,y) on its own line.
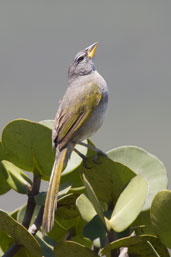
(82,63)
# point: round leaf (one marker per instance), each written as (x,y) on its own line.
(160,216)
(143,163)
(129,204)
(28,145)
(107,178)
(19,233)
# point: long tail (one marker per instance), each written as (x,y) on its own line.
(51,198)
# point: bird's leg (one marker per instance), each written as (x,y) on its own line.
(84,158)
(98,151)
(93,148)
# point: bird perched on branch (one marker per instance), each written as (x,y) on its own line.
(80,114)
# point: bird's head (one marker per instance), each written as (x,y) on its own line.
(82,63)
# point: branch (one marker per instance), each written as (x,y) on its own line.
(38,222)
(31,202)
(12,250)
(111,238)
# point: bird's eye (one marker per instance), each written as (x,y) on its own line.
(81,58)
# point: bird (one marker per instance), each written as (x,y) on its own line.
(79,116)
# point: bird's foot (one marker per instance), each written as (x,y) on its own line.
(84,158)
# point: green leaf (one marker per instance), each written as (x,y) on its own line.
(19,233)
(85,208)
(160,216)
(107,178)
(28,145)
(144,245)
(73,249)
(94,200)
(129,204)
(143,163)
(16,178)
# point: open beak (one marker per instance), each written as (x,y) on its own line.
(91,50)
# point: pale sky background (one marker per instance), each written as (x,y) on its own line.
(38,40)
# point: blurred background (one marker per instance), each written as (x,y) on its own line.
(38,40)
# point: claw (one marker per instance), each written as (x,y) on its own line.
(85,163)
(96,159)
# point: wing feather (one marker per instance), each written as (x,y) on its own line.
(74,113)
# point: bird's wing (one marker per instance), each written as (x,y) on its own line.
(74,112)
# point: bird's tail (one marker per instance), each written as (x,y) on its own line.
(51,197)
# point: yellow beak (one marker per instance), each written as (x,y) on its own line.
(91,50)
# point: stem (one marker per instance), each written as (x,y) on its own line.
(31,202)
(38,222)
(12,250)
(28,214)
(111,238)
